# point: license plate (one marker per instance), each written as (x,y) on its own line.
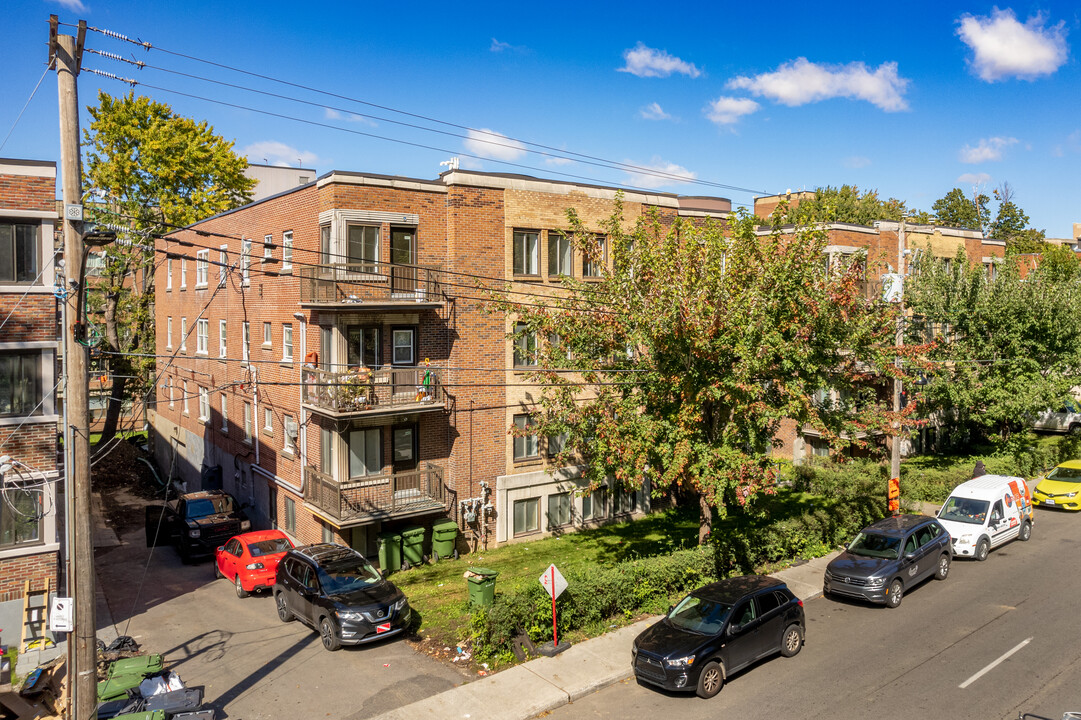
(1048,502)
(382,628)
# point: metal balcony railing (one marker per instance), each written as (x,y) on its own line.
(370,282)
(364,391)
(376,496)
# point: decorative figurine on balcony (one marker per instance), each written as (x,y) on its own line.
(424,390)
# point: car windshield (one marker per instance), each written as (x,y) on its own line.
(348,575)
(203,507)
(964,510)
(269,547)
(699,615)
(1065,474)
(875,545)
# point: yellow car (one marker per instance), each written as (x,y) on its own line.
(1061,487)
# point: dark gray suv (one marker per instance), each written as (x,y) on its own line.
(888,558)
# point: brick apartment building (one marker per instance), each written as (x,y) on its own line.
(29,543)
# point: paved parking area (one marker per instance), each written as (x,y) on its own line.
(251,665)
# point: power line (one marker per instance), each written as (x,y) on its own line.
(25,105)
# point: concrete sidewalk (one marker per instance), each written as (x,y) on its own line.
(544,684)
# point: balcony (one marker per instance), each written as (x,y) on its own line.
(379,497)
(370,285)
(367,393)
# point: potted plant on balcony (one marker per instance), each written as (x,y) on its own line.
(355,390)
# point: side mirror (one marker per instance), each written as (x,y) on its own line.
(220,548)
(670,609)
(910,556)
(733,629)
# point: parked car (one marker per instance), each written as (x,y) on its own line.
(1061,487)
(985,512)
(717,630)
(251,560)
(1066,419)
(888,558)
(336,591)
(195,523)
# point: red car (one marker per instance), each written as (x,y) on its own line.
(251,560)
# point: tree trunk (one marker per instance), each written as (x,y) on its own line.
(705,519)
(114,362)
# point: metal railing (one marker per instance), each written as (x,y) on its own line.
(357,283)
(362,390)
(376,495)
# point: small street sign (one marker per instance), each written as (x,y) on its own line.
(553,579)
(60,615)
(73,212)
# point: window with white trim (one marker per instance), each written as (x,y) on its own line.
(187,407)
(287,250)
(168,273)
(204,405)
(268,247)
(287,342)
(559,510)
(526,252)
(20,520)
(362,248)
(169,392)
(526,516)
(202,336)
(559,254)
(365,452)
(223,264)
(223,337)
(224,412)
(202,268)
(247,422)
(266,335)
(184,334)
(268,421)
(183,273)
(290,430)
(245,262)
(169,332)
(246,341)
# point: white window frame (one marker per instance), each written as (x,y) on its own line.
(202,268)
(247,423)
(268,421)
(287,250)
(187,407)
(245,261)
(287,342)
(525,502)
(268,248)
(169,392)
(223,338)
(245,348)
(290,434)
(268,335)
(224,412)
(223,264)
(204,405)
(168,273)
(372,438)
(169,333)
(184,334)
(202,336)
(183,273)
(530,258)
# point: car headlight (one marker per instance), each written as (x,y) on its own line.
(1071,494)
(254,566)
(401,604)
(193,533)
(683,662)
(965,539)
(349,615)
(245,524)
(876,582)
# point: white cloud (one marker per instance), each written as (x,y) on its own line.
(728,110)
(986,150)
(332,114)
(974,178)
(490,144)
(273,152)
(1002,47)
(646,62)
(651,181)
(73,5)
(499,46)
(654,111)
(856,161)
(800,82)
(557,161)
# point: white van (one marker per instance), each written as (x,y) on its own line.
(986,512)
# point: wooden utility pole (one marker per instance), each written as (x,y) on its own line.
(893,490)
(82,675)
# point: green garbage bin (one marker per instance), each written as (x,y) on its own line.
(444,535)
(413,545)
(390,551)
(481,585)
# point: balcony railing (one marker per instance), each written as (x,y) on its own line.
(363,391)
(370,282)
(375,497)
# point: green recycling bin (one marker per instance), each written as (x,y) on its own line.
(444,535)
(413,545)
(481,585)
(390,551)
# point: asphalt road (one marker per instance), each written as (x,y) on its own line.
(250,664)
(863,661)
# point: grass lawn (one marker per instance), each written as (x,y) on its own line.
(95,438)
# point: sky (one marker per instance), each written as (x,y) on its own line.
(726,99)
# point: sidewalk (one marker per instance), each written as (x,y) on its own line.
(544,684)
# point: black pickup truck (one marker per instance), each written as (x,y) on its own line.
(195,523)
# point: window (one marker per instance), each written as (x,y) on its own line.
(324,245)
(624,502)
(19,252)
(268,421)
(169,332)
(287,250)
(768,602)
(266,335)
(287,341)
(403,446)
(202,336)
(556,443)
(363,346)
(326,340)
(559,254)
(402,346)
(526,249)
(183,273)
(559,510)
(187,409)
(169,392)
(289,428)
(592,267)
(290,515)
(595,505)
(20,384)
(365,452)
(558,349)
(326,451)
(184,333)
(202,268)
(204,405)
(362,251)
(20,519)
(245,261)
(525,446)
(268,247)
(223,335)
(168,273)
(223,264)
(525,346)
(526,518)
(224,412)
(247,423)
(245,348)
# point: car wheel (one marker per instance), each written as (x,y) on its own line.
(711,680)
(983,547)
(943,567)
(792,641)
(240,591)
(326,634)
(1026,531)
(1075,428)
(893,597)
(217,571)
(284,614)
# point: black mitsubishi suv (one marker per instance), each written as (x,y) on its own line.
(335,590)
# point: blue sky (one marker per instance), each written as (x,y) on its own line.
(912,99)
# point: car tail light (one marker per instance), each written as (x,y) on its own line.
(799,602)
(254,566)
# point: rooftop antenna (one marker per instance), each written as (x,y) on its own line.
(452,163)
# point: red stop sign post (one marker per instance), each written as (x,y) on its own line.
(554,584)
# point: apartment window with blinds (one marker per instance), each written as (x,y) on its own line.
(245,349)
(526,252)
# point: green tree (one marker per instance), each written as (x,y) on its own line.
(682,361)
(957,210)
(1011,224)
(149,170)
(847,204)
(1004,349)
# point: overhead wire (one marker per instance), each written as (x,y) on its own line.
(25,105)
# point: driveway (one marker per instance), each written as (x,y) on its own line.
(250,664)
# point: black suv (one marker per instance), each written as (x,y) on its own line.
(336,591)
(196,523)
(717,630)
(888,558)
